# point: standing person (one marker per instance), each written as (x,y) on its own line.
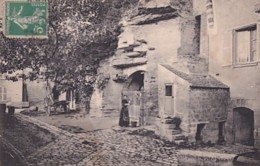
(47,105)
(124,114)
(48,100)
(55,93)
(55,96)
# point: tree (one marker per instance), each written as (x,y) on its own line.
(81,33)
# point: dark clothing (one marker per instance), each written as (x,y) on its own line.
(55,93)
(124,114)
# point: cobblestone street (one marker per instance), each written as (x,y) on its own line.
(101,148)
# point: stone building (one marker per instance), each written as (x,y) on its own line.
(187,90)
(13,92)
(233,35)
(156,34)
(161,64)
(43,89)
(133,69)
(198,99)
(163,54)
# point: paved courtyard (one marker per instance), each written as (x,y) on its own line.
(114,146)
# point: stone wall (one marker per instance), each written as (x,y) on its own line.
(209,107)
(199,6)
(198,158)
(208,104)
(189,37)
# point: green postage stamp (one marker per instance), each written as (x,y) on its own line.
(26,19)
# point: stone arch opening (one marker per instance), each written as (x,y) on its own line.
(135,81)
(133,89)
(244,126)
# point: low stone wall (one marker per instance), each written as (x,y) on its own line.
(203,158)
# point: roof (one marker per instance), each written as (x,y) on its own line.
(198,80)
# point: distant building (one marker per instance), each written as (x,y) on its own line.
(39,89)
(13,92)
(25,93)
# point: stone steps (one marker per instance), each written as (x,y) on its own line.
(170,132)
(178,137)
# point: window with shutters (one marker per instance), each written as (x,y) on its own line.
(3,94)
(245,45)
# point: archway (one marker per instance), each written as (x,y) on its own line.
(244,126)
(135,81)
(133,90)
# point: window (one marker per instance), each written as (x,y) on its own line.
(245,45)
(3,94)
(168,90)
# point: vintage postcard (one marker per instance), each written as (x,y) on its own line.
(129,82)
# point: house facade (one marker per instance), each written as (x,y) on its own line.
(234,53)
(13,92)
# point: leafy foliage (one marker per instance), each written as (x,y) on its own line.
(81,33)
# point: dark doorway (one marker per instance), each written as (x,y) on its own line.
(133,89)
(221,127)
(199,132)
(244,126)
(137,81)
